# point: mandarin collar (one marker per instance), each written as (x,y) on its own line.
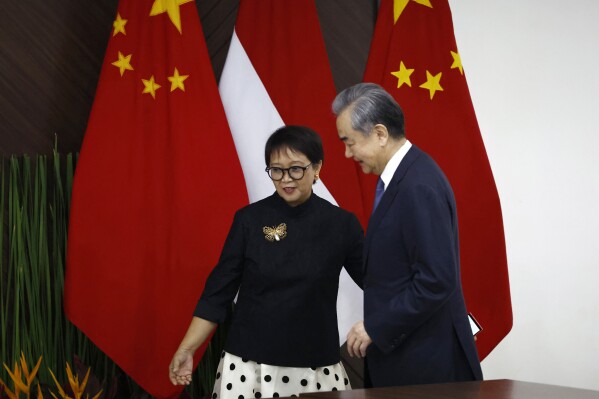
(292,211)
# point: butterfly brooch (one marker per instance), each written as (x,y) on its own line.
(275,233)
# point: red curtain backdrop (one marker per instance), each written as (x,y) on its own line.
(415,58)
(156,187)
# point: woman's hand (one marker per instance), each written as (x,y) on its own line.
(181,367)
(179,371)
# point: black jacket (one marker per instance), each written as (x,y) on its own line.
(285,313)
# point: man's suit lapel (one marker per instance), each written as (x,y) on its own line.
(389,196)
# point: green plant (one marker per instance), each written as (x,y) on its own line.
(34,203)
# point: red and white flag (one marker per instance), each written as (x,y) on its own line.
(277,73)
(415,58)
(156,186)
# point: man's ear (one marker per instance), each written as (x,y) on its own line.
(382,134)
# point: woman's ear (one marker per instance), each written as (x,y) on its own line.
(317,167)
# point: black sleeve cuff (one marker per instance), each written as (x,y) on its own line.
(211,313)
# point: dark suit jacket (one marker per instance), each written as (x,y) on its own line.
(414,308)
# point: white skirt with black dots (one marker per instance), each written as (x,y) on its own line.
(238,378)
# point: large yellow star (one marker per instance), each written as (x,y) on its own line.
(457,62)
(171,7)
(150,86)
(123,63)
(177,81)
(399,5)
(119,25)
(432,83)
(403,75)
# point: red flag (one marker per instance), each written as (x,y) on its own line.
(156,187)
(277,72)
(415,58)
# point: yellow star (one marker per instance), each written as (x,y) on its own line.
(424,3)
(403,75)
(171,7)
(399,5)
(432,83)
(150,86)
(457,62)
(119,25)
(123,63)
(177,81)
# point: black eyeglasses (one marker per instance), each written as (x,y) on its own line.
(294,172)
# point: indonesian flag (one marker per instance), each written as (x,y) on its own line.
(277,73)
(156,187)
(415,58)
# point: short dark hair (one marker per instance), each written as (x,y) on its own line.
(297,138)
(370,105)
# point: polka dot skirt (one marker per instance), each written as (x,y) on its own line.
(238,378)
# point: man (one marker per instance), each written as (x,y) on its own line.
(415,328)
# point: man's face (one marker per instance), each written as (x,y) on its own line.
(366,150)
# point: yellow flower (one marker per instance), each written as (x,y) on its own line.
(78,389)
(17,375)
(21,386)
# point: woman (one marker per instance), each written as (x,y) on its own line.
(283,255)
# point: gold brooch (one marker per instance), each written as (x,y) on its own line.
(275,233)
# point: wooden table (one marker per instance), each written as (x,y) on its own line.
(492,389)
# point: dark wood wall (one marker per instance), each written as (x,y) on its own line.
(51,52)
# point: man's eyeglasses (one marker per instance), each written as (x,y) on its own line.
(295,172)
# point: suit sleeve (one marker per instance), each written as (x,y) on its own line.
(427,229)
(355,245)
(224,280)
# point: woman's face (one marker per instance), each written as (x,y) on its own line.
(294,192)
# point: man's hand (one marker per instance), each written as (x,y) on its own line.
(358,340)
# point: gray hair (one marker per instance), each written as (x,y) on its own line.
(370,105)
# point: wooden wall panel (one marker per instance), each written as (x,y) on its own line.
(347,27)
(218,20)
(50,57)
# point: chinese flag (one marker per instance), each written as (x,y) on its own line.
(277,73)
(415,58)
(156,187)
